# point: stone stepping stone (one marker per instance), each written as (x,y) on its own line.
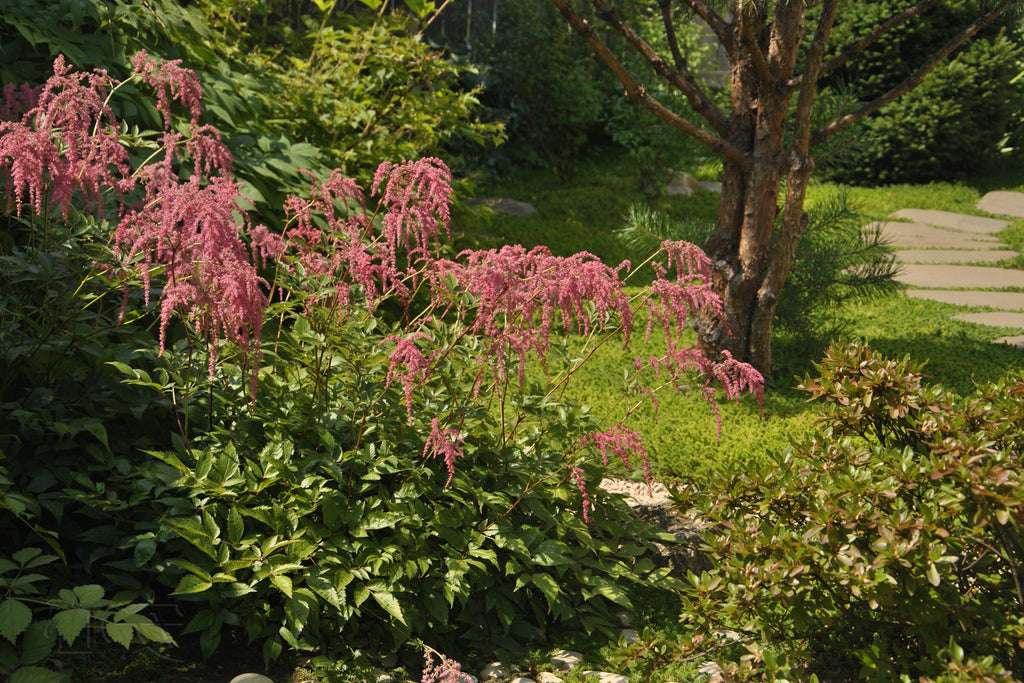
(1003,203)
(953,221)
(964,277)
(1017,341)
(1004,301)
(952,255)
(919,235)
(513,207)
(995,319)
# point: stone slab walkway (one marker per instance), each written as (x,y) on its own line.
(936,244)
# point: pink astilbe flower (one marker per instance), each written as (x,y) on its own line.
(735,377)
(576,474)
(210,156)
(415,365)
(170,82)
(674,302)
(189,232)
(445,671)
(418,197)
(444,442)
(332,238)
(68,141)
(317,252)
(518,295)
(623,443)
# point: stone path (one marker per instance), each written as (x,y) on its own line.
(941,252)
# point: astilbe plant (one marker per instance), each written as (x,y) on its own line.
(344,501)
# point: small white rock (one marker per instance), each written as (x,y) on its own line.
(493,670)
(251,678)
(565,660)
(709,669)
(548,677)
(384,677)
(605,677)
(520,679)
(629,635)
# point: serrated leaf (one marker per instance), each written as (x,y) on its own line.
(23,556)
(390,604)
(39,642)
(615,594)
(152,632)
(190,583)
(15,616)
(70,623)
(282,583)
(236,525)
(120,633)
(548,586)
(192,531)
(551,553)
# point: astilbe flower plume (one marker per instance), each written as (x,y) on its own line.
(444,671)
(170,82)
(418,197)
(18,99)
(519,295)
(576,474)
(673,302)
(409,363)
(189,232)
(68,141)
(446,443)
(624,443)
(331,238)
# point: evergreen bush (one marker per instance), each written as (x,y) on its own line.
(953,124)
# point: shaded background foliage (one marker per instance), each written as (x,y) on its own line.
(954,123)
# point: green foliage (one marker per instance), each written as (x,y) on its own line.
(889,542)
(546,84)
(317,516)
(953,123)
(34,622)
(359,87)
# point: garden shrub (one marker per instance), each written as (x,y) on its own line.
(889,543)
(951,125)
(354,455)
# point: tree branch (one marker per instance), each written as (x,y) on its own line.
(718,26)
(757,59)
(914,79)
(683,82)
(637,92)
(882,29)
(670,34)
